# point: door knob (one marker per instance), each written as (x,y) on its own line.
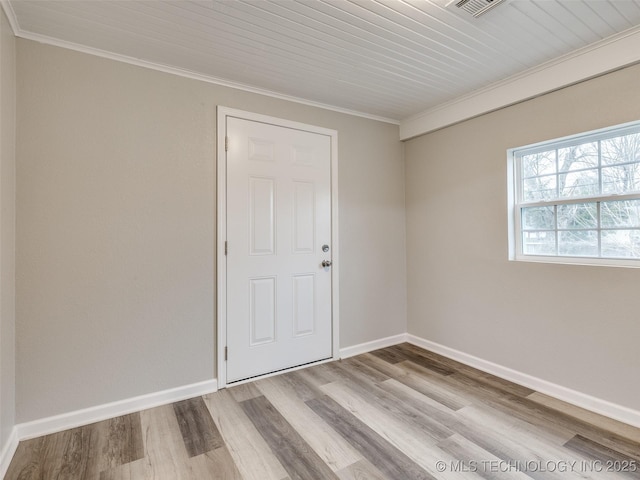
(326,263)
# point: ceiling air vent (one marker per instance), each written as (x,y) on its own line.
(477,7)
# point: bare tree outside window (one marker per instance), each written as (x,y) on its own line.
(581,198)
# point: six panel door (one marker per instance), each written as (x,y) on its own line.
(278,220)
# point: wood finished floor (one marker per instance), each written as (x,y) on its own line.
(399,413)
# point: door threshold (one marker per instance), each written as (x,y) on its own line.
(279,372)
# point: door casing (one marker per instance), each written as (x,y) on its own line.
(221,227)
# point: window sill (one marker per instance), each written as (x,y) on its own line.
(600,262)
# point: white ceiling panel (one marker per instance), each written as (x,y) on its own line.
(383,58)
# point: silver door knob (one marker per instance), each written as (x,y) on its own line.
(326,263)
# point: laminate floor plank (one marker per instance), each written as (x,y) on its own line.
(304,387)
(388,369)
(165,451)
(502,447)
(375,401)
(341,372)
(410,367)
(400,431)
(358,374)
(434,363)
(399,413)
(438,390)
(251,454)
(477,378)
(26,463)
(137,470)
(479,393)
(316,376)
(622,429)
(216,464)
(113,442)
(359,368)
(542,416)
(385,457)
(295,455)
(476,459)
(121,472)
(505,385)
(125,443)
(511,443)
(361,470)
(413,351)
(606,457)
(68,454)
(243,392)
(426,405)
(555,435)
(329,445)
(198,430)
(322,374)
(388,355)
(474,373)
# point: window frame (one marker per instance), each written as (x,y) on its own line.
(516,202)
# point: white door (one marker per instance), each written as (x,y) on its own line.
(278,223)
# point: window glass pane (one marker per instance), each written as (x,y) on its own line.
(539,243)
(621,243)
(539,188)
(621,149)
(538,218)
(578,243)
(578,157)
(539,164)
(579,197)
(579,184)
(578,215)
(623,213)
(621,179)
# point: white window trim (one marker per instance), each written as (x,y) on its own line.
(515,204)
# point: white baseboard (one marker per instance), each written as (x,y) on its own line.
(373,345)
(65,421)
(8,450)
(78,418)
(579,399)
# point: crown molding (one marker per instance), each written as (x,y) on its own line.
(18,32)
(605,56)
(11,16)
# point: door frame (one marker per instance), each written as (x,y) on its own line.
(221,228)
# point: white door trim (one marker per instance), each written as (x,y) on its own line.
(221,226)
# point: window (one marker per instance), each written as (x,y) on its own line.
(577,199)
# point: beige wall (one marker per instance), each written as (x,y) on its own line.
(116,228)
(116,231)
(7,228)
(577,326)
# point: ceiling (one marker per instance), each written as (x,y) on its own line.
(387,59)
